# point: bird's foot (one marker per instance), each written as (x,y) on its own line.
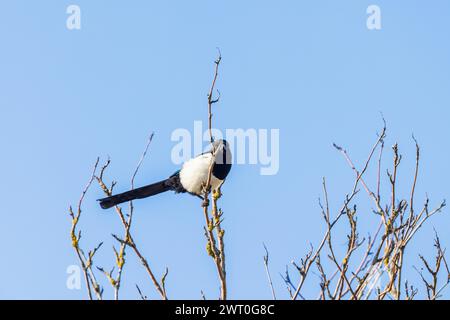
(216,194)
(205,203)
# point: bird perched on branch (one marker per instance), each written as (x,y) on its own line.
(191,178)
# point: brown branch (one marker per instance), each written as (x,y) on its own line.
(310,258)
(432,287)
(212,100)
(143,297)
(128,239)
(120,255)
(269,278)
(215,247)
(85,262)
(384,254)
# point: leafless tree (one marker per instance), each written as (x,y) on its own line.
(127,241)
(215,241)
(356,274)
(213,227)
(353,274)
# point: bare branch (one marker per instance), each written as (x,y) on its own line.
(269,278)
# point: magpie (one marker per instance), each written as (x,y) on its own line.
(191,178)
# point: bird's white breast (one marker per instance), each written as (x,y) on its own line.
(194,174)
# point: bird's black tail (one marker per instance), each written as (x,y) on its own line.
(139,193)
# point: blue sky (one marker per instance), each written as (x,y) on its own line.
(309,68)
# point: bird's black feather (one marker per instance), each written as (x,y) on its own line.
(221,168)
(172,183)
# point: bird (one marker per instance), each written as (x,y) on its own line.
(191,178)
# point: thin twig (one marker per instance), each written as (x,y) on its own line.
(269,278)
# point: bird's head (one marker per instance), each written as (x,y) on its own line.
(221,150)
